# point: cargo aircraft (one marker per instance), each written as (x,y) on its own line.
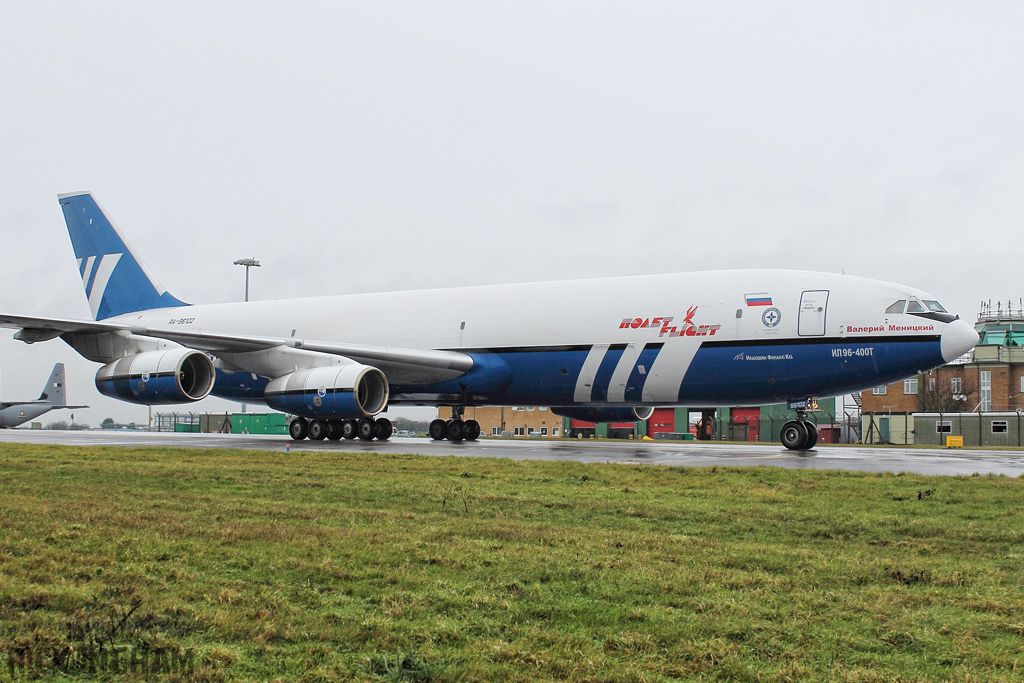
(52,398)
(610,351)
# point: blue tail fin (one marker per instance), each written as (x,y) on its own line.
(116,281)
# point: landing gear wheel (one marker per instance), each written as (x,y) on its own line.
(794,435)
(298,429)
(383,429)
(471,431)
(334,430)
(366,428)
(812,435)
(349,429)
(317,430)
(438,430)
(456,430)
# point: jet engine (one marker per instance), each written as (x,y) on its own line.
(156,377)
(332,392)
(604,414)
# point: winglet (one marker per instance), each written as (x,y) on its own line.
(116,280)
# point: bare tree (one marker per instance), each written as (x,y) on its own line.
(951,394)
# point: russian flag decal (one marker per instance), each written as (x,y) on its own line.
(758,299)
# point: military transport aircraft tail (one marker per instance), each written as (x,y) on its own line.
(52,398)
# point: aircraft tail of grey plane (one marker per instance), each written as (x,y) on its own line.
(52,397)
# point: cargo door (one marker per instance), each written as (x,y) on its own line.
(811,319)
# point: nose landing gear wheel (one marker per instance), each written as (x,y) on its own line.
(794,435)
(812,435)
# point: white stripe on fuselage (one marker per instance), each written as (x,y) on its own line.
(585,382)
(667,372)
(617,385)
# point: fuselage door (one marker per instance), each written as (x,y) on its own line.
(811,322)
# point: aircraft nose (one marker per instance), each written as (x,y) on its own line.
(957,339)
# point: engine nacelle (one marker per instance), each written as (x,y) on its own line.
(604,414)
(332,392)
(156,377)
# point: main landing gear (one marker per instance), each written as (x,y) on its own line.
(455,429)
(367,429)
(799,434)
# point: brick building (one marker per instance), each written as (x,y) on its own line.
(510,420)
(731,424)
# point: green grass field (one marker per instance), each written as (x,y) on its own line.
(245,565)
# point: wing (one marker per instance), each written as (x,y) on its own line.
(31,330)
(401,365)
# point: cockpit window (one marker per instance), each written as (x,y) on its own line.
(915,306)
(935,307)
(897,307)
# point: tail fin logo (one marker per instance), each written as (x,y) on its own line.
(116,281)
(96,274)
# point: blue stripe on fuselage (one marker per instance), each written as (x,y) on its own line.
(544,375)
(641,369)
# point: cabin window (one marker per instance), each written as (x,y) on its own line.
(943,426)
(998,426)
(916,306)
(897,307)
(935,307)
(910,386)
(879,391)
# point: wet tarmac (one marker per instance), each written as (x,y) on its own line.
(931,461)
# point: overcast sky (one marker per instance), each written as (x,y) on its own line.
(356,147)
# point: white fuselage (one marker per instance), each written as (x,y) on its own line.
(643,338)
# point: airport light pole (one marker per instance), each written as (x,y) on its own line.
(248,263)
